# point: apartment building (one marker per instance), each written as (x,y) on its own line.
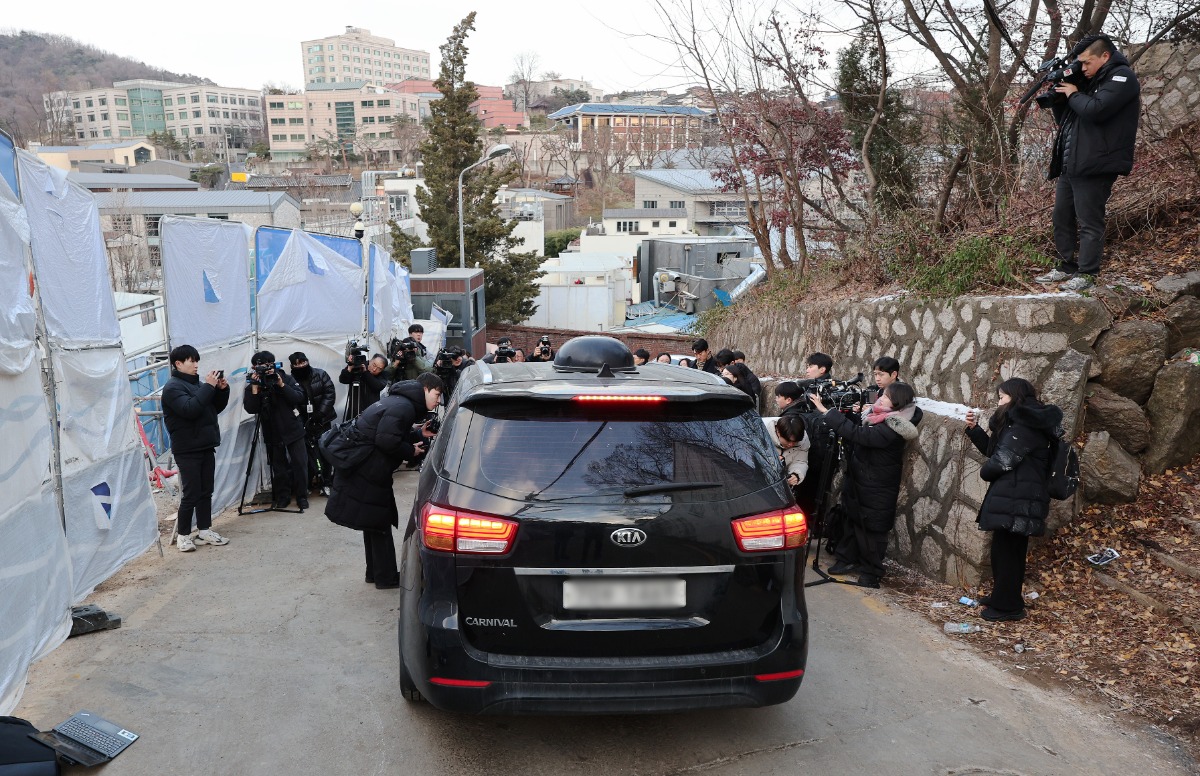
(223,120)
(357,55)
(540,90)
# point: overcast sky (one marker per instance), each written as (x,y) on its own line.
(249,44)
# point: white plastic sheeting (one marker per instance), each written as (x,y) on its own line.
(206,280)
(35,567)
(71,263)
(312,292)
(391,299)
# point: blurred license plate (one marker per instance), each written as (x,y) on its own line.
(625,594)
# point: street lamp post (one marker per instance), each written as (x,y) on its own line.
(360,230)
(497,151)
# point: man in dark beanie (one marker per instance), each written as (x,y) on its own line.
(317,414)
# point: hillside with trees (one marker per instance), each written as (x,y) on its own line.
(34,63)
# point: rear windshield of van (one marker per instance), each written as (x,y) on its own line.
(563,450)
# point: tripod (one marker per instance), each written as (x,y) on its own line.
(242,510)
(835,453)
(353,401)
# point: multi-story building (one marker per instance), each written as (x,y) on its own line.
(223,120)
(540,90)
(643,126)
(357,55)
(704,202)
(353,113)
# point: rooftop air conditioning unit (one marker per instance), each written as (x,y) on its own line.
(423,260)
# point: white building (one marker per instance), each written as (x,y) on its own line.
(583,292)
(357,55)
(142,323)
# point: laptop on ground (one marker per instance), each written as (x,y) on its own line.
(87,739)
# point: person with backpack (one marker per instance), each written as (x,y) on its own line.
(361,497)
(1024,433)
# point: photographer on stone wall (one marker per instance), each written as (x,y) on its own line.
(1097,130)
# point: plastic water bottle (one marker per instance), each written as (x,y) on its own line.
(955,628)
(967,600)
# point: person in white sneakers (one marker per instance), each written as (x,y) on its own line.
(190,408)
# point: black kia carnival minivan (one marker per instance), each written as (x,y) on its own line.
(594,537)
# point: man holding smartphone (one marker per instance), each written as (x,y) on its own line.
(190,409)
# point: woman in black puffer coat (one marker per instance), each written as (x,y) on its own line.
(1018,500)
(872,478)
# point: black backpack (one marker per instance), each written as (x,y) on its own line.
(345,445)
(1064,469)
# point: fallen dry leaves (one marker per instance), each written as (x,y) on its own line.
(1095,639)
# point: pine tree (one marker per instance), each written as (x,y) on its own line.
(454,142)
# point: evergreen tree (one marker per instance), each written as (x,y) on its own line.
(454,142)
(859,75)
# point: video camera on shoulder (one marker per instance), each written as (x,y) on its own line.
(446,357)
(840,395)
(1055,71)
(402,350)
(357,355)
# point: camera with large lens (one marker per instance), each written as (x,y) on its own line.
(1055,72)
(402,350)
(444,362)
(433,423)
(840,395)
(356,355)
(505,354)
(543,347)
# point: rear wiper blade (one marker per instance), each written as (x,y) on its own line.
(667,487)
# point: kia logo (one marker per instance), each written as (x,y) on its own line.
(628,537)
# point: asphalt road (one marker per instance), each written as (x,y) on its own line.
(271,656)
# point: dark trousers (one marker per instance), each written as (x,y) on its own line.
(381,557)
(196,470)
(863,548)
(1079,220)
(289,469)
(320,473)
(1008,570)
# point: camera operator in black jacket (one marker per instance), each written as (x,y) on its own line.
(277,399)
(363,498)
(190,409)
(1097,128)
(370,378)
(317,414)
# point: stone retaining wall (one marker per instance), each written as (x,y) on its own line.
(957,352)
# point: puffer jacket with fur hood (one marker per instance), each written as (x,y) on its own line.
(1018,468)
(876,466)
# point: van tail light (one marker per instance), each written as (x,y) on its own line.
(453,530)
(783,529)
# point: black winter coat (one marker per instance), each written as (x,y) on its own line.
(190,409)
(370,386)
(363,498)
(1098,125)
(1018,468)
(318,389)
(281,424)
(876,464)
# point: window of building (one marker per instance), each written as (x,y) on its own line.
(678,204)
(295,105)
(650,204)
(225,99)
(224,114)
(277,121)
(104,101)
(167,101)
(671,224)
(155,256)
(727,208)
(199,130)
(80,135)
(627,226)
(384,103)
(91,117)
(75,104)
(195,98)
(275,105)
(241,100)
(104,117)
(297,138)
(122,224)
(184,131)
(170,116)
(212,114)
(345,47)
(368,103)
(153,220)
(295,121)
(358,60)
(149,314)
(88,102)
(654,224)
(195,114)
(210,97)
(368,119)
(279,138)
(118,101)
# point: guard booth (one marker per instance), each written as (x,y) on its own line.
(458,292)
